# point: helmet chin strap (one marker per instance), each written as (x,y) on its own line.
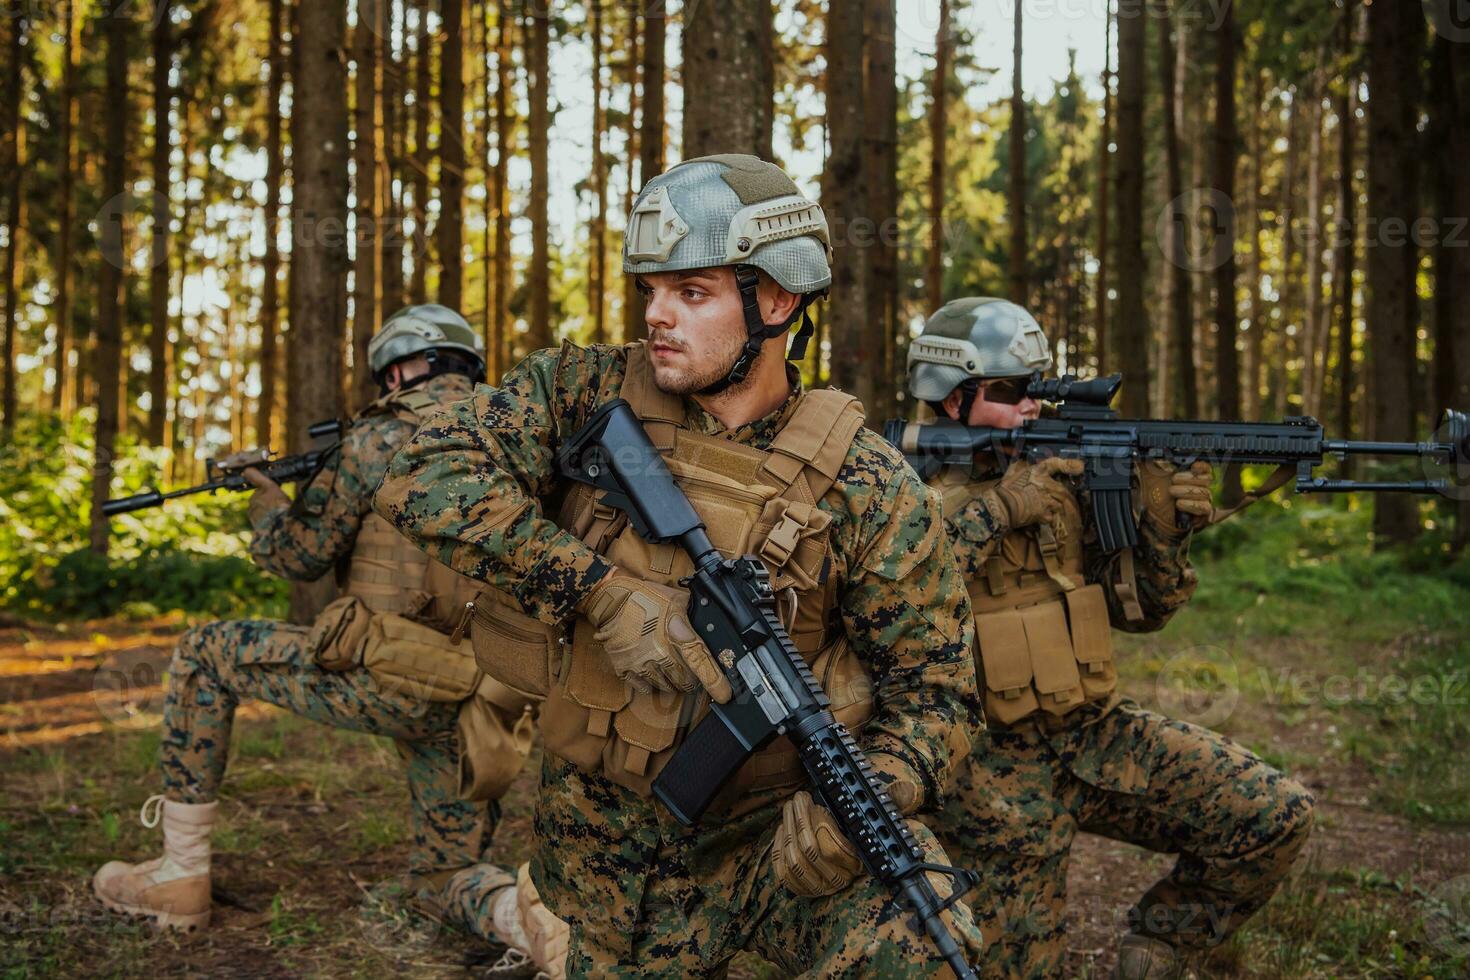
(757,331)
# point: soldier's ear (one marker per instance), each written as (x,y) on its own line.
(777,304)
(951,404)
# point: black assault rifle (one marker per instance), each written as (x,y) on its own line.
(733,610)
(1085,427)
(298,468)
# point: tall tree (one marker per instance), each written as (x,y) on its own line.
(1345,254)
(107,364)
(158,261)
(1458,268)
(319,203)
(1227,323)
(727,62)
(451,154)
(1251,381)
(632,310)
(366,255)
(1104,186)
(500,189)
(418,288)
(12,161)
(880,162)
(1313,321)
(539,44)
(1177,279)
(270,301)
(597,274)
(1395,40)
(1017,183)
(845,199)
(1130,329)
(651,135)
(938,132)
(390,151)
(71,25)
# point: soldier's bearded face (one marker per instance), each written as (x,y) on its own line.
(695,327)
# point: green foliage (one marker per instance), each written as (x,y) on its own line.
(188,555)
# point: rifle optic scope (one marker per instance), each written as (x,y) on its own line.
(1098,391)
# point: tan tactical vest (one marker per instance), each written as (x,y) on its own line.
(386,570)
(1043,637)
(753,502)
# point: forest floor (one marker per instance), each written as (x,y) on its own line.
(313,821)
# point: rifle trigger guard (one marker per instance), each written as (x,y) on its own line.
(964,880)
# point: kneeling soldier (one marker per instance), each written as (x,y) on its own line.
(1064,752)
(380,660)
(727,254)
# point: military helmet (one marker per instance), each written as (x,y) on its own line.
(425,327)
(975,337)
(730,209)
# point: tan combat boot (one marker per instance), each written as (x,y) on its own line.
(173,890)
(1145,958)
(537,939)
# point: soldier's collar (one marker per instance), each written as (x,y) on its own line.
(757,433)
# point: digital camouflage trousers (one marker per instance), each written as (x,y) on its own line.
(1235,823)
(218,665)
(646,897)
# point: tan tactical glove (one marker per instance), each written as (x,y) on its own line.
(645,629)
(812,857)
(1029,495)
(1167,492)
(268,494)
(905,787)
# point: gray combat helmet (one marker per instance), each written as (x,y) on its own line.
(736,210)
(975,337)
(425,327)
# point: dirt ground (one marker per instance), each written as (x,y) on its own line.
(312,825)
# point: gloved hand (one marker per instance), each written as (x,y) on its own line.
(905,787)
(812,857)
(1029,495)
(645,629)
(1168,492)
(268,494)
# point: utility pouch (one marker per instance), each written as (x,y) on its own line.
(336,638)
(1053,666)
(413,660)
(496,728)
(1092,640)
(510,646)
(1005,662)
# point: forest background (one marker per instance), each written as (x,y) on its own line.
(1252,209)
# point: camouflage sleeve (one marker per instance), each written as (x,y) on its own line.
(1166,580)
(304,541)
(907,616)
(974,534)
(467,487)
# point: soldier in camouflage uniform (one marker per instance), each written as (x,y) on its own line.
(727,255)
(423,356)
(1064,752)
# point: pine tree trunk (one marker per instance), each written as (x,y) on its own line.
(1251,389)
(1311,313)
(1176,265)
(1280,381)
(1227,325)
(1016,213)
(1130,322)
(880,151)
(1395,35)
(71,25)
(390,155)
(597,256)
(271,261)
(1441,179)
(500,191)
(632,312)
(727,62)
(107,366)
(487,202)
(845,199)
(158,259)
(540,277)
(418,288)
(451,156)
(319,203)
(366,254)
(938,134)
(1459,271)
(12,161)
(1345,256)
(1104,188)
(651,128)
